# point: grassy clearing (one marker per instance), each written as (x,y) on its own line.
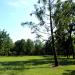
(36,65)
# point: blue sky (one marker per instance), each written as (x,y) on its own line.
(12,14)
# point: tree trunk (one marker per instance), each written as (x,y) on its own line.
(53,47)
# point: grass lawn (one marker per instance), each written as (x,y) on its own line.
(36,65)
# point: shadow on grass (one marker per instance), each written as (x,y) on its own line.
(65,61)
(24,65)
(34,63)
(69,72)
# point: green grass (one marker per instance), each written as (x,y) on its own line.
(36,65)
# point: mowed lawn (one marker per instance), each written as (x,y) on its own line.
(36,65)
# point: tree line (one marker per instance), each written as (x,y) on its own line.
(20,47)
(29,47)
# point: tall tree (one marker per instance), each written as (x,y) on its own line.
(63,16)
(44,11)
(53,47)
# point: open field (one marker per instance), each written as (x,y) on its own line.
(36,65)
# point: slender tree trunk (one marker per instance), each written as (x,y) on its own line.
(53,47)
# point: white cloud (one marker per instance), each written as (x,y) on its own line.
(17,3)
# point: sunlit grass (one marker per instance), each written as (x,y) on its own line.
(36,65)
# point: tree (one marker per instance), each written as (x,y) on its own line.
(20,47)
(63,16)
(54,16)
(48,47)
(38,50)
(43,11)
(5,43)
(8,45)
(29,47)
(41,15)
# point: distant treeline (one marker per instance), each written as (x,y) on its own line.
(29,47)
(20,47)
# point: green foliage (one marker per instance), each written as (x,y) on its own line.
(5,43)
(19,47)
(54,20)
(48,47)
(39,48)
(43,1)
(29,46)
(63,16)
